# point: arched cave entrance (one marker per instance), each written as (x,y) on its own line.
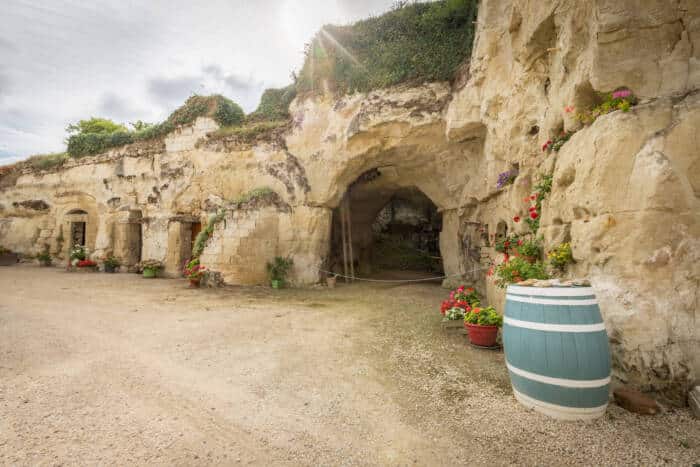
(385,230)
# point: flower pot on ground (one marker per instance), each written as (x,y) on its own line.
(277,271)
(482,325)
(111,264)
(331,281)
(149,268)
(86,265)
(194,272)
(150,273)
(454,317)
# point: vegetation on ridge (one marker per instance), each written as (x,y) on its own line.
(97,135)
(414,42)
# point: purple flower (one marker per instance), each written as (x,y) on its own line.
(506,178)
(621,94)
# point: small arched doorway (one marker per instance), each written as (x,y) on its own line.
(384,229)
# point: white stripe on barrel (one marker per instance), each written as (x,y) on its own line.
(546,301)
(567,383)
(551,291)
(554,327)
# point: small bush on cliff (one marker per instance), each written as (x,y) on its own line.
(98,134)
(47,161)
(411,43)
(274,104)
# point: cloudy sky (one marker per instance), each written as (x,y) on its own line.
(63,60)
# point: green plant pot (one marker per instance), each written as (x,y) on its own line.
(110,269)
(276,284)
(150,273)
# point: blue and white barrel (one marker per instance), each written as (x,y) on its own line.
(556,350)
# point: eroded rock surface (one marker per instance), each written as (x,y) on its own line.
(625,191)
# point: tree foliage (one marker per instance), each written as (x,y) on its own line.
(98,134)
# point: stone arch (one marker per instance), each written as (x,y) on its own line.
(365,199)
(78,220)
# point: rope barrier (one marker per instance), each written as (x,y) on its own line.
(426,279)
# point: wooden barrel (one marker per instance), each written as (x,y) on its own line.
(557,351)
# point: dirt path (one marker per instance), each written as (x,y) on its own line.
(114,369)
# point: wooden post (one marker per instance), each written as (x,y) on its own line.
(341,210)
(349,226)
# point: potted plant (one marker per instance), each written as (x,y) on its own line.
(86,265)
(454,318)
(461,300)
(482,325)
(560,256)
(194,272)
(277,271)
(77,253)
(517,269)
(331,281)
(111,264)
(529,249)
(44,258)
(150,267)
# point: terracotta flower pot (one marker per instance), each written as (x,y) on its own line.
(194,283)
(484,336)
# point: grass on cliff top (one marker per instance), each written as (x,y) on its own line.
(47,161)
(249,132)
(414,42)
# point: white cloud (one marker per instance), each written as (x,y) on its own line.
(64,60)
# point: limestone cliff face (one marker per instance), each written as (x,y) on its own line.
(625,191)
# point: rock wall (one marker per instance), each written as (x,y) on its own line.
(625,190)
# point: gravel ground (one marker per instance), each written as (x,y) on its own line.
(115,369)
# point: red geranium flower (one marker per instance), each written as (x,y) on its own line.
(520,242)
(534,214)
(533,197)
(516,219)
(532,208)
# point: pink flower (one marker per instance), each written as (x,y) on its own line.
(621,93)
(568,109)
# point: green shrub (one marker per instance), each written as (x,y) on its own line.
(279,268)
(517,269)
(274,104)
(100,126)
(98,135)
(411,43)
(47,161)
(484,316)
(250,131)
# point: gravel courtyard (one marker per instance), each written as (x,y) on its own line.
(99,369)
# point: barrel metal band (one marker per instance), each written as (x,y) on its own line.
(567,383)
(544,301)
(554,327)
